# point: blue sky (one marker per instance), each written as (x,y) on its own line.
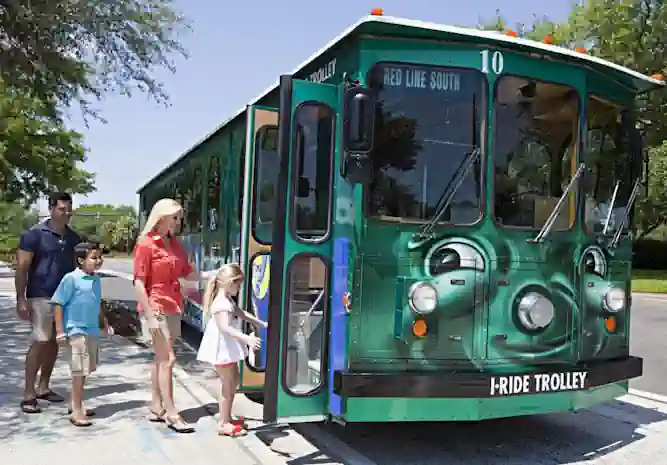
(237,50)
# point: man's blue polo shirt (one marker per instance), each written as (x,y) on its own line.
(53,257)
(80,296)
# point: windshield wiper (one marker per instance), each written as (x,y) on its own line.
(626,214)
(611,208)
(448,195)
(555,212)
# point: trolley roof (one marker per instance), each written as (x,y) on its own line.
(392,26)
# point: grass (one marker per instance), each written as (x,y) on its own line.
(652,281)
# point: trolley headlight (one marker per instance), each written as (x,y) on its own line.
(614,299)
(423,298)
(535,311)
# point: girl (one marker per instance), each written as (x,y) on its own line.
(224,344)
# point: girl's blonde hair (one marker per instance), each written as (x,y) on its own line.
(225,276)
(162,208)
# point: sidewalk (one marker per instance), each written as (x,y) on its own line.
(118,392)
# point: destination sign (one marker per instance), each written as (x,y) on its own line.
(411,77)
(537,383)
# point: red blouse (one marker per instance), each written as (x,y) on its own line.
(160,267)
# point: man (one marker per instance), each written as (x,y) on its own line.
(44,256)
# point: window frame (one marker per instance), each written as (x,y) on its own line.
(294,174)
(250,308)
(257,151)
(576,192)
(285,321)
(634,164)
(483,139)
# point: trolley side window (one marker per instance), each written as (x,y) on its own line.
(267,167)
(313,149)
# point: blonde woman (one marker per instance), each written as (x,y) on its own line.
(159,261)
(224,344)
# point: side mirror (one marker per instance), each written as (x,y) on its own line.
(303,188)
(358,119)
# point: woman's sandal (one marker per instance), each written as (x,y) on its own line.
(240,421)
(177,424)
(89,413)
(156,417)
(30,406)
(79,423)
(236,431)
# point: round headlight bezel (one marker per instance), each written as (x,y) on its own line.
(416,298)
(609,299)
(531,317)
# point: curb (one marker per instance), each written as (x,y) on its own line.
(648,395)
(250,444)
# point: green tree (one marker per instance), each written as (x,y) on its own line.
(14,219)
(70,51)
(56,55)
(37,154)
(107,223)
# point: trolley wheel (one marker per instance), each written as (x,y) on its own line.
(257,397)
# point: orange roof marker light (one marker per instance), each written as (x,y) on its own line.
(377,12)
(659,77)
(510,32)
(548,40)
(581,50)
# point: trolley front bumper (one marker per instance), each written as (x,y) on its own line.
(549,379)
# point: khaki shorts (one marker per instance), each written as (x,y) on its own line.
(42,317)
(170,324)
(83,354)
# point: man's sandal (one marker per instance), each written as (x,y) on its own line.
(235,432)
(51,396)
(30,406)
(177,424)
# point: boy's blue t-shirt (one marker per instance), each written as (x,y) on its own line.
(80,296)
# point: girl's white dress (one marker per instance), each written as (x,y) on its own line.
(218,348)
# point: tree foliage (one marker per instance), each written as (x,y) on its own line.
(37,153)
(632,33)
(70,51)
(56,55)
(115,226)
(14,219)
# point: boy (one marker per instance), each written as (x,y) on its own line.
(78,317)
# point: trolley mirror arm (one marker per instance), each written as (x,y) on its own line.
(628,208)
(546,229)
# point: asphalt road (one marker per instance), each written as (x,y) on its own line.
(627,431)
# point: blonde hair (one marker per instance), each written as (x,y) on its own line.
(162,208)
(225,276)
